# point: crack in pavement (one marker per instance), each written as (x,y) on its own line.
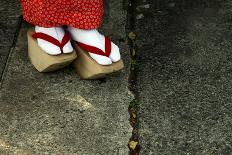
(133,144)
(16,34)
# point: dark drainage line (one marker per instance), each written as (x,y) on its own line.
(133,144)
(16,34)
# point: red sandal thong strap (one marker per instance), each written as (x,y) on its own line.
(95,50)
(52,40)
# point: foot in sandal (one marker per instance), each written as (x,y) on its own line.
(50,48)
(47,48)
(93,38)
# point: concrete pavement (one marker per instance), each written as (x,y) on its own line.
(9,17)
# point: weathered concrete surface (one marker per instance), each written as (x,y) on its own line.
(57,113)
(9,15)
(184,77)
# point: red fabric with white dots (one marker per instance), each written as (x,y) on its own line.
(82,14)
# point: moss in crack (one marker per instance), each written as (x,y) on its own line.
(133,144)
(134,104)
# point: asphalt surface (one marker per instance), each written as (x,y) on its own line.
(183,69)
